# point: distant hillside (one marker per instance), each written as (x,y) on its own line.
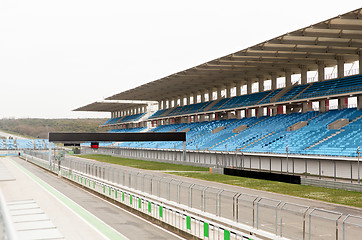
(34,127)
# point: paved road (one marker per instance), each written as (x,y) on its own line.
(127,224)
(7,135)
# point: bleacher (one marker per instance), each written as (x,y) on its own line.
(269,134)
(325,88)
(130,118)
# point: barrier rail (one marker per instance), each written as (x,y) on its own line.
(198,205)
(7,230)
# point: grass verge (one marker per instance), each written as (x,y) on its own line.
(142,164)
(318,193)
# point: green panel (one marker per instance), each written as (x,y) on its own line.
(104,188)
(188,222)
(130,199)
(149,207)
(139,203)
(115,193)
(89,182)
(122,196)
(94,184)
(110,191)
(226,235)
(206,229)
(81,180)
(160,211)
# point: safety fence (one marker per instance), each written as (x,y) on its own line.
(194,206)
(346,170)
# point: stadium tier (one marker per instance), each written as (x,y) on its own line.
(269,134)
(315,89)
(130,118)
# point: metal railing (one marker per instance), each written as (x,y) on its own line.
(282,219)
(7,230)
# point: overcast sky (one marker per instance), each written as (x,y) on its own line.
(56,56)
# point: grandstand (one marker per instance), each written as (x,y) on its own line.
(24,144)
(260,99)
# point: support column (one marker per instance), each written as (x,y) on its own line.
(210,94)
(274,111)
(188,100)
(273,81)
(306,107)
(202,96)
(340,67)
(195,97)
(259,112)
(248,112)
(230,115)
(238,114)
(238,88)
(248,87)
(218,93)
(321,67)
(359,101)
(261,84)
(288,78)
(342,103)
(159,105)
(322,106)
(360,62)
(228,91)
(303,74)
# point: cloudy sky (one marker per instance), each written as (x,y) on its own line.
(58,55)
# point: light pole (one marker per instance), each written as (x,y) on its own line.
(358,156)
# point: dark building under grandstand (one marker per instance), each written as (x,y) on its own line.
(272,97)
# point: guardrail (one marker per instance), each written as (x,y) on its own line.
(197,209)
(7,230)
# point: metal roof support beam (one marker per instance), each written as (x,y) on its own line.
(340,67)
(321,67)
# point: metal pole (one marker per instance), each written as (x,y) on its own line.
(184,151)
(287,149)
(358,174)
(50,155)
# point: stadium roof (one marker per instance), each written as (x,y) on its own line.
(325,42)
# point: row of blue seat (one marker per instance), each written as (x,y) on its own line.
(329,87)
(270,134)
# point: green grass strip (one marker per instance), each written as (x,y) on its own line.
(103,228)
(142,164)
